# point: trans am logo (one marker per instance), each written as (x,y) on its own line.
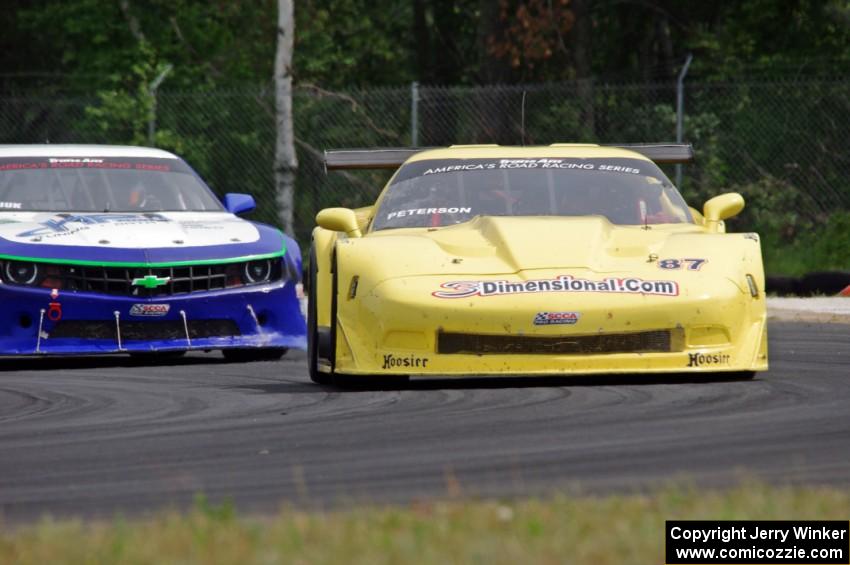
(563,283)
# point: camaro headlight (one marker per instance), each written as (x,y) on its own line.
(258,271)
(21,272)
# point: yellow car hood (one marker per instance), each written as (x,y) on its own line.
(504,245)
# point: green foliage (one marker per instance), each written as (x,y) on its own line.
(824,249)
(344,43)
(770,38)
(91,41)
(126,109)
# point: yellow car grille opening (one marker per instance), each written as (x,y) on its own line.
(639,342)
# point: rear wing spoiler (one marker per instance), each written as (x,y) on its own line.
(394,157)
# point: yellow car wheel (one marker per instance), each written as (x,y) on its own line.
(316,376)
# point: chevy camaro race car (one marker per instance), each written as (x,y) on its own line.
(108,249)
(564,259)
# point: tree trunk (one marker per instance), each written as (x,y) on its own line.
(422,43)
(286,162)
(498,111)
(582,48)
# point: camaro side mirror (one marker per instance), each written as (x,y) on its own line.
(339,219)
(237,203)
(721,208)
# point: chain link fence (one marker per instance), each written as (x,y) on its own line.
(783,144)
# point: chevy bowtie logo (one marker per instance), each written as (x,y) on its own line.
(151,281)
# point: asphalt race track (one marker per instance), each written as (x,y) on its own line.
(98,436)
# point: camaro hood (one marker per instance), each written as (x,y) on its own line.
(135,237)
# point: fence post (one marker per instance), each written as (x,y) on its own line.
(414,114)
(152,90)
(680,110)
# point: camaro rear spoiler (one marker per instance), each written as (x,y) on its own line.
(394,157)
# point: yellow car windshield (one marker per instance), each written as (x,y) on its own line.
(433,193)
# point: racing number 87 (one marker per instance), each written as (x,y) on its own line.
(690,264)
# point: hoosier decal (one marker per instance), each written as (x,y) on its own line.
(391,361)
(563,283)
(700,359)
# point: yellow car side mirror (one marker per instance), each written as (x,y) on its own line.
(339,219)
(721,208)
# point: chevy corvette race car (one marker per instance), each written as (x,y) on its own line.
(564,259)
(109,249)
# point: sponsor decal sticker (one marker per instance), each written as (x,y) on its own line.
(542,163)
(423,211)
(392,361)
(200,225)
(689,264)
(149,309)
(556,318)
(700,359)
(10,205)
(563,283)
(54,227)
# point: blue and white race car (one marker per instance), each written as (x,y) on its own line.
(110,249)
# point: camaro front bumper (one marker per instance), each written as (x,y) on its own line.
(34,322)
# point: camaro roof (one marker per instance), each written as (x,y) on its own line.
(79,150)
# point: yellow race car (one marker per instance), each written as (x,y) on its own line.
(551,260)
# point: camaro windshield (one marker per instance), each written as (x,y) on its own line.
(101,184)
(449,191)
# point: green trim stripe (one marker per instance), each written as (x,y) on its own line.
(244,258)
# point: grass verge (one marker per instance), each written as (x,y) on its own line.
(558,529)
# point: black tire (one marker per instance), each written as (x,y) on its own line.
(372,382)
(740,375)
(157,355)
(316,376)
(247,355)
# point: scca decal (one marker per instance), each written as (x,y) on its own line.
(391,361)
(563,283)
(556,318)
(149,309)
(700,359)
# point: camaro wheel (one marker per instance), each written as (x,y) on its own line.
(258,354)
